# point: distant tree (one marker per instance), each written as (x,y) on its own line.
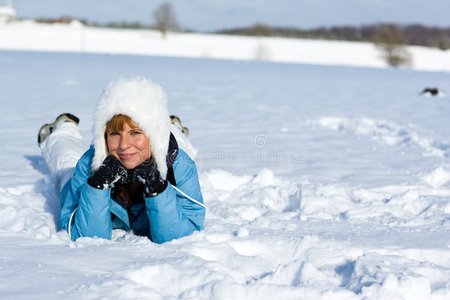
(386,34)
(444,44)
(391,40)
(260,30)
(165,18)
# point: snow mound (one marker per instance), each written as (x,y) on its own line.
(374,276)
(249,197)
(225,181)
(402,204)
(438,177)
(22,210)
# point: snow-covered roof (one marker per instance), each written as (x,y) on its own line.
(6,11)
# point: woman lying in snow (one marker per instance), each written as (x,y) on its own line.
(134,176)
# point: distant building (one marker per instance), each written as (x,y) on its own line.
(7,12)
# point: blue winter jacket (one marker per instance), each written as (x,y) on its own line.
(162,218)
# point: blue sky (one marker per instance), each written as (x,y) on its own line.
(209,15)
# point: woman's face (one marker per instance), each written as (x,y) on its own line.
(130,146)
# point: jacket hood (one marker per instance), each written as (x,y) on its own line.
(146,104)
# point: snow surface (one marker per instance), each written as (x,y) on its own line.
(321,182)
(74,37)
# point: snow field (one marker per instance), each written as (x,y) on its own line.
(255,243)
(387,132)
(318,183)
(75,37)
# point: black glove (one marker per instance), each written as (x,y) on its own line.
(110,172)
(148,174)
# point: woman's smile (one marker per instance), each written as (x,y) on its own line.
(126,156)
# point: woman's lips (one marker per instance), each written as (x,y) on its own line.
(126,156)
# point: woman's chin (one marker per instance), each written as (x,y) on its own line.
(129,164)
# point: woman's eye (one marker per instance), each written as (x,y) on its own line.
(113,133)
(135,132)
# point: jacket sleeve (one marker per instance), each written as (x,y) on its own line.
(171,214)
(91,206)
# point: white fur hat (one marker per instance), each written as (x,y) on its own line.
(146,104)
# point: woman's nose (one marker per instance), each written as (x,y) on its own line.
(124,142)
